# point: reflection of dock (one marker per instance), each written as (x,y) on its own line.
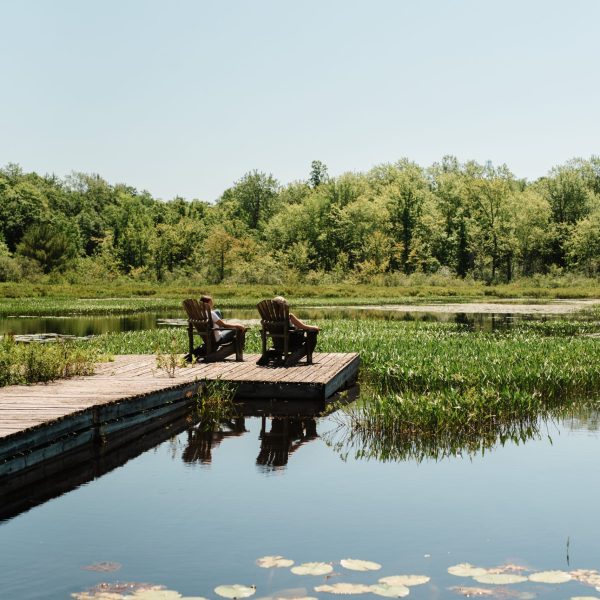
(43,421)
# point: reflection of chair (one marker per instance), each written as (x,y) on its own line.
(289,344)
(285,437)
(200,322)
(201,442)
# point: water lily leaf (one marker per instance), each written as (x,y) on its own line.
(499,578)
(312,568)
(390,591)
(155,595)
(235,591)
(550,577)
(344,588)
(472,591)
(118,590)
(405,580)
(103,567)
(497,592)
(508,568)
(466,570)
(269,562)
(359,565)
(587,576)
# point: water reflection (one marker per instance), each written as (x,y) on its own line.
(285,436)
(201,441)
(82,326)
(349,439)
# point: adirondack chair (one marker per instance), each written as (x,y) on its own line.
(200,323)
(289,344)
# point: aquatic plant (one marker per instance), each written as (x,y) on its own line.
(34,362)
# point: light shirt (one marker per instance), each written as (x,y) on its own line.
(215,318)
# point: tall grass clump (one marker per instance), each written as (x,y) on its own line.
(431,389)
(34,362)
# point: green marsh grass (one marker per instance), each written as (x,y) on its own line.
(32,363)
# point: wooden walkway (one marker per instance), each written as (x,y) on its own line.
(38,422)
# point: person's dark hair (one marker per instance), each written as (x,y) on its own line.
(205,298)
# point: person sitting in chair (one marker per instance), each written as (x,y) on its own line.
(221,337)
(297,337)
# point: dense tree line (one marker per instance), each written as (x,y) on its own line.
(464,219)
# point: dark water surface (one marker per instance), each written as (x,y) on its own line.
(191,514)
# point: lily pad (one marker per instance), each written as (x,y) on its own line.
(550,577)
(390,591)
(235,591)
(155,595)
(466,570)
(587,576)
(344,588)
(103,567)
(269,562)
(407,580)
(359,565)
(469,592)
(312,568)
(500,578)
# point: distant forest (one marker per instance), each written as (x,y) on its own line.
(461,219)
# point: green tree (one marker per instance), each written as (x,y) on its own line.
(253,199)
(318,173)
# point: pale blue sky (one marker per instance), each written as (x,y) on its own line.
(185,96)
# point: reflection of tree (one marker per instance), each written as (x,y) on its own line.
(287,434)
(201,441)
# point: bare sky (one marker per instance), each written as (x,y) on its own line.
(183,97)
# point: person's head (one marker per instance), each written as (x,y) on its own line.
(207,299)
(280,300)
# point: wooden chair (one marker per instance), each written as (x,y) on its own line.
(289,344)
(200,322)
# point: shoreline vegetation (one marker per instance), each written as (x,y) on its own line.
(130,297)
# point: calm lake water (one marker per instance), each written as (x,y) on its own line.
(93,325)
(192,515)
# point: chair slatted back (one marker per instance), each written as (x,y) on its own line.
(275,321)
(200,317)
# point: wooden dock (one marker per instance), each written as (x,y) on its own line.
(42,421)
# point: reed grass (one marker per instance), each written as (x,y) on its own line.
(32,363)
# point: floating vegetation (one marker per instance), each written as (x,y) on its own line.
(408,580)
(344,588)
(131,591)
(235,591)
(269,562)
(587,576)
(496,592)
(466,570)
(312,568)
(550,577)
(500,578)
(390,591)
(359,565)
(103,567)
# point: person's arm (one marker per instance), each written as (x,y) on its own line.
(226,325)
(296,322)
